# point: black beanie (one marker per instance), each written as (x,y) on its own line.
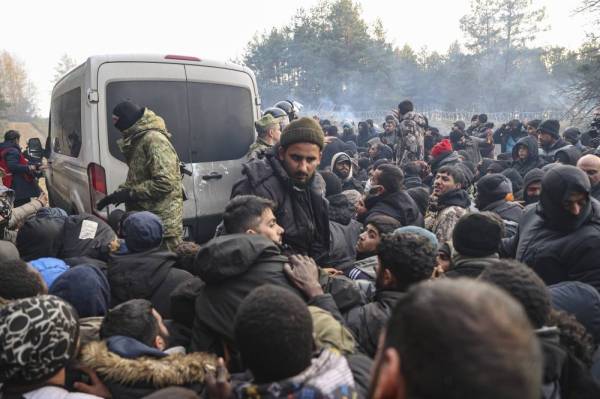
(333,184)
(128,114)
(492,187)
(550,126)
(477,234)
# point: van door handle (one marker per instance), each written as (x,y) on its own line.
(212,176)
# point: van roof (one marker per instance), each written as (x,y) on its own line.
(100,59)
(95,61)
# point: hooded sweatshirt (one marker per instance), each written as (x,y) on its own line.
(86,288)
(556,244)
(533,176)
(349,183)
(532,161)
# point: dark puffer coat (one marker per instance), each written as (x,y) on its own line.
(148,275)
(557,245)
(533,159)
(398,205)
(301,212)
(231,267)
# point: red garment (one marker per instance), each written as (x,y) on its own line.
(7,179)
(440,148)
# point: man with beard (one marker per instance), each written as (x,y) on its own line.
(590,164)
(448,340)
(412,133)
(560,237)
(448,202)
(532,186)
(341,165)
(550,141)
(404,259)
(388,197)
(286,176)
(526,155)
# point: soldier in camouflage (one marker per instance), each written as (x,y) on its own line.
(268,129)
(412,127)
(153,180)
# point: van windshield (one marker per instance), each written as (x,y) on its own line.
(208,122)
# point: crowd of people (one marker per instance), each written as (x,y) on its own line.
(402,263)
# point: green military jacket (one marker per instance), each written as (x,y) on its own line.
(154,177)
(258,148)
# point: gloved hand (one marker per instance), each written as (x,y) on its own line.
(117,197)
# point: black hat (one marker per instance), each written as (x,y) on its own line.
(128,114)
(494,184)
(461,125)
(550,126)
(11,135)
(477,234)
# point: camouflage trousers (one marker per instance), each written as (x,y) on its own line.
(171,243)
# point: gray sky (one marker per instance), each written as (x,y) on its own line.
(38,32)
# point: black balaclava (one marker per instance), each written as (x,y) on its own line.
(128,114)
(557,185)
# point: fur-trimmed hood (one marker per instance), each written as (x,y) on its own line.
(175,369)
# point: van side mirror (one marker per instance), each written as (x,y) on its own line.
(35,151)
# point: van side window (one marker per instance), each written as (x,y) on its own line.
(166,99)
(221,121)
(208,122)
(65,125)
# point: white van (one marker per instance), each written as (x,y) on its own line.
(208,107)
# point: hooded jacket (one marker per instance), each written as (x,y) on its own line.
(302,212)
(143,371)
(150,275)
(533,159)
(557,245)
(533,176)
(398,205)
(570,154)
(444,212)
(344,232)
(154,177)
(350,182)
(231,266)
(86,288)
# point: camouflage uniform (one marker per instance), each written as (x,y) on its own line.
(258,149)
(412,132)
(441,220)
(154,178)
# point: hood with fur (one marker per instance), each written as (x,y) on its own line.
(175,369)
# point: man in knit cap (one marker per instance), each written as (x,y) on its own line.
(550,141)
(286,176)
(494,194)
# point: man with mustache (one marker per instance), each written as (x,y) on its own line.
(286,176)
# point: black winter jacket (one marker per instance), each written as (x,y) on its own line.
(148,275)
(533,160)
(301,212)
(398,205)
(558,246)
(507,210)
(366,321)
(231,266)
